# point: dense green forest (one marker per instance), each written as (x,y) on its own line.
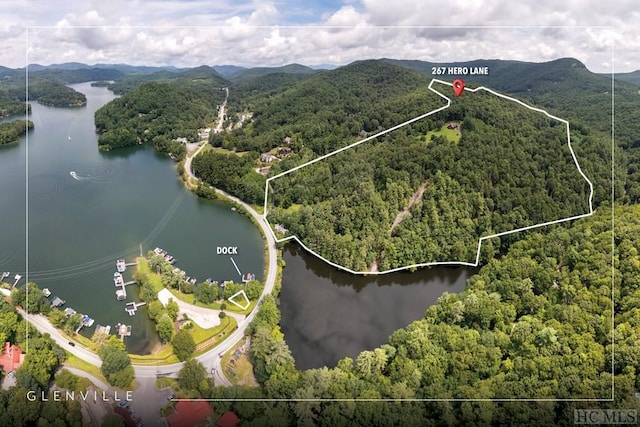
(511,168)
(10,133)
(231,173)
(41,361)
(535,323)
(156,112)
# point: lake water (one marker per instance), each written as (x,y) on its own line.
(328,314)
(80,223)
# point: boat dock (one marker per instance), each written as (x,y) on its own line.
(4,276)
(57,302)
(121,265)
(123,330)
(248,277)
(132,307)
(46,292)
(165,254)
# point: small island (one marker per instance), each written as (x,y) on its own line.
(11,132)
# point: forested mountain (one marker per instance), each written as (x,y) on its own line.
(157,112)
(565,87)
(252,73)
(534,324)
(48,86)
(416,196)
(633,77)
(192,77)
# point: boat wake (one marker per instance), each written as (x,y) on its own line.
(75,176)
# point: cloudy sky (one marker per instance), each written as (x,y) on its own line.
(248,32)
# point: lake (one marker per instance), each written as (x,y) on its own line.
(72,227)
(328,314)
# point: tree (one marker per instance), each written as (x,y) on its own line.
(116,364)
(191,375)
(165,328)
(172,309)
(183,345)
(155,310)
(72,323)
(57,318)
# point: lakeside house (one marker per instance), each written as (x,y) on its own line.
(11,358)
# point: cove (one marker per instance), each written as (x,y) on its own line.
(328,314)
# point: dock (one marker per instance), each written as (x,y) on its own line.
(248,277)
(46,292)
(123,330)
(17,277)
(132,307)
(4,276)
(69,311)
(57,302)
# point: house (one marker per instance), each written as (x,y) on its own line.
(287,140)
(267,157)
(181,140)
(11,358)
(228,419)
(190,413)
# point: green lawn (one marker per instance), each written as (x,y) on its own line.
(241,373)
(78,363)
(164,357)
(154,279)
(452,135)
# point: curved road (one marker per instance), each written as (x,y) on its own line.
(211,358)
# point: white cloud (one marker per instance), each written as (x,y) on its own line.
(249,32)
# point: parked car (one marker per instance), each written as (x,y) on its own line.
(171,396)
(72,344)
(123,404)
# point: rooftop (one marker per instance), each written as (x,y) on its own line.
(189,414)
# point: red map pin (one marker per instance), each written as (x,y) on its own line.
(458,86)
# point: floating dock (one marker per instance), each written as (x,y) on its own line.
(69,311)
(46,292)
(132,307)
(248,277)
(121,265)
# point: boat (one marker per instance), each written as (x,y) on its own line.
(87,321)
(46,292)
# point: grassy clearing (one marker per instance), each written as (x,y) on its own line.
(240,372)
(162,383)
(452,135)
(78,363)
(190,298)
(219,334)
(225,151)
(163,357)
(154,279)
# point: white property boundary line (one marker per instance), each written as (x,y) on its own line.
(481,239)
